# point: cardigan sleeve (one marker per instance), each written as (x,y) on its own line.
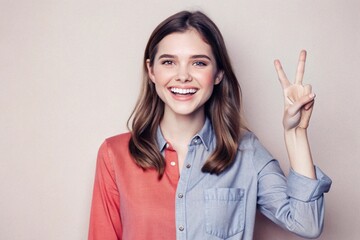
(105,220)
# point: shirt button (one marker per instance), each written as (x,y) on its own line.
(181,228)
(180,195)
(188,166)
(172,163)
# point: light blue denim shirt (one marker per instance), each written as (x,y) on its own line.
(213,207)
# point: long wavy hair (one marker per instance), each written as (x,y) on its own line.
(223,108)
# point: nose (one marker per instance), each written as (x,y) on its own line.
(183,74)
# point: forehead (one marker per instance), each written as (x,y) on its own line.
(182,43)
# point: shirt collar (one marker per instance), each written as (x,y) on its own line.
(160,139)
(205,135)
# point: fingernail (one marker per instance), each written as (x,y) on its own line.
(312,95)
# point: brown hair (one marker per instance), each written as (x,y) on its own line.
(223,108)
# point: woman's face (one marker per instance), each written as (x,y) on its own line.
(184,73)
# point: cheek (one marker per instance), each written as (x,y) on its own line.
(207,78)
(161,75)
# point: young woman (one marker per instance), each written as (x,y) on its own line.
(189,168)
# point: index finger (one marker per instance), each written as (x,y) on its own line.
(281,74)
(300,68)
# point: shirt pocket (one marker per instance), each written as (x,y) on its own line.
(224,211)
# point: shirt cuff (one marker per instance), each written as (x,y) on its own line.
(306,189)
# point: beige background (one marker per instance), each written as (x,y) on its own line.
(70,74)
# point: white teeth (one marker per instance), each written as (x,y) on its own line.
(183,91)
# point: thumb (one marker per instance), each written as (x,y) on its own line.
(305,101)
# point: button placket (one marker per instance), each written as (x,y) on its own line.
(181,194)
(171,169)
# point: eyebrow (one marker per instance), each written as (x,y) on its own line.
(192,57)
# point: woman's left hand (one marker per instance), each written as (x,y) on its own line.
(299,99)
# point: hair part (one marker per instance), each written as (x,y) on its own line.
(223,108)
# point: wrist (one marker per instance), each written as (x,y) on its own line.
(298,148)
(295,132)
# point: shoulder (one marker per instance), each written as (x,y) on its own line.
(117,143)
(122,138)
(252,147)
(114,151)
(247,140)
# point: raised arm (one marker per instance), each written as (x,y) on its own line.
(299,102)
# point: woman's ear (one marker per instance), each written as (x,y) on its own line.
(150,70)
(219,77)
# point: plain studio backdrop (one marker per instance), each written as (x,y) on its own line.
(70,74)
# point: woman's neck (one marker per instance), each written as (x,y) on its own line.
(179,130)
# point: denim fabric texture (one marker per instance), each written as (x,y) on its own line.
(214,207)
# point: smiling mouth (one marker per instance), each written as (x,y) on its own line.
(183,91)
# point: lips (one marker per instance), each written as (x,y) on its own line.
(183,91)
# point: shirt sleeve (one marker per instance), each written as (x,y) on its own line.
(296,203)
(105,221)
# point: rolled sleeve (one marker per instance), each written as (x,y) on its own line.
(306,189)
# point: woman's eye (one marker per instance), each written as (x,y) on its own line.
(200,63)
(167,62)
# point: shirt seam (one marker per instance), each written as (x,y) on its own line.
(107,148)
